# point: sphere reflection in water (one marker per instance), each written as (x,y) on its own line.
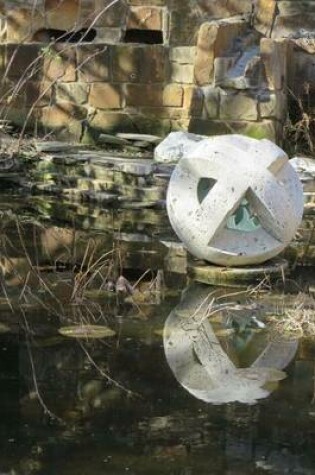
(203,368)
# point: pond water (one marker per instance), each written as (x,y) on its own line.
(186,378)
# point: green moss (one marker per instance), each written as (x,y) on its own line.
(261,130)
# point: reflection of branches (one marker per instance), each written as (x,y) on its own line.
(34,377)
(92,270)
(200,364)
(105,375)
(33,268)
(4,290)
(207,309)
(298,321)
(80,308)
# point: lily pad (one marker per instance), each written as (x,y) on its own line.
(87,331)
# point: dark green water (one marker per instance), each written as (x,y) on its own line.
(61,414)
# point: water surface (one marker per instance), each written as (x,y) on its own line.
(115,405)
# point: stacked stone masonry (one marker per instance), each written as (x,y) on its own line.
(216,66)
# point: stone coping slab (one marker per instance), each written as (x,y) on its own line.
(238,276)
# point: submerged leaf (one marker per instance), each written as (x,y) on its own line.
(87,331)
(4,328)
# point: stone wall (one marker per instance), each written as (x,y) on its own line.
(281,18)
(217,66)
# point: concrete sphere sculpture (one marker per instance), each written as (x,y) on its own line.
(234,200)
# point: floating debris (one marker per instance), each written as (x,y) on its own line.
(87,331)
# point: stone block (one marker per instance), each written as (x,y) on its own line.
(187,17)
(193,100)
(134,63)
(112,122)
(110,36)
(172,113)
(293,16)
(13,96)
(110,15)
(179,125)
(303,43)
(237,106)
(184,23)
(173,95)
(24,60)
(227,32)
(22,22)
(105,96)
(182,73)
(214,39)
(239,72)
(64,118)
(145,18)
(115,122)
(62,15)
(72,92)
(264,129)
(211,103)
(175,147)
(87,13)
(182,54)
(264,16)
(209,127)
(274,58)
(93,62)
(60,63)
(224,9)
(61,113)
(71,132)
(268,129)
(38,94)
(204,62)
(272,105)
(222,66)
(21,116)
(138,95)
(152,125)
(254,74)
(302,73)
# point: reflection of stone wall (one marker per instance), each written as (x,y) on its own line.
(208,75)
